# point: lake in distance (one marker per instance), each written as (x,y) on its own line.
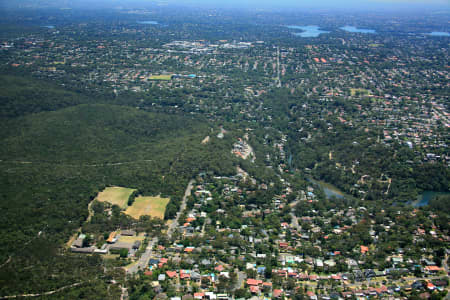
(148,22)
(438,33)
(357,30)
(307,31)
(425,198)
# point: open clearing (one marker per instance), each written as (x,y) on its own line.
(148,206)
(130,239)
(363,92)
(116,195)
(161,77)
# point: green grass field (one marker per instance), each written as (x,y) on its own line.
(161,77)
(130,239)
(360,91)
(115,195)
(148,206)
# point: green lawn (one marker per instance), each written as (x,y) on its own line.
(161,77)
(148,206)
(116,195)
(360,91)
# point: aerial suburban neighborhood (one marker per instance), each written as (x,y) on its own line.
(167,152)
(227,241)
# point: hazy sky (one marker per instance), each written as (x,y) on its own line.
(321,3)
(343,4)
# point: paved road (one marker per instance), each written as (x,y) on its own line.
(207,221)
(445,265)
(174,224)
(145,257)
(240,280)
(278,68)
(294,222)
(124,294)
(294,219)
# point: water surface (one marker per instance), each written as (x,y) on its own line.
(425,198)
(439,33)
(354,29)
(308,31)
(148,22)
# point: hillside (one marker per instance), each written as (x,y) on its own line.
(53,163)
(22,95)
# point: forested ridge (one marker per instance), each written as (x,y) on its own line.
(24,95)
(53,163)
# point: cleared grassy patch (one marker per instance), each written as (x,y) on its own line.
(160,77)
(127,267)
(115,195)
(110,256)
(148,206)
(363,92)
(130,239)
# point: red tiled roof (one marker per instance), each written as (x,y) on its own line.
(171,274)
(277,293)
(184,275)
(219,268)
(253,282)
